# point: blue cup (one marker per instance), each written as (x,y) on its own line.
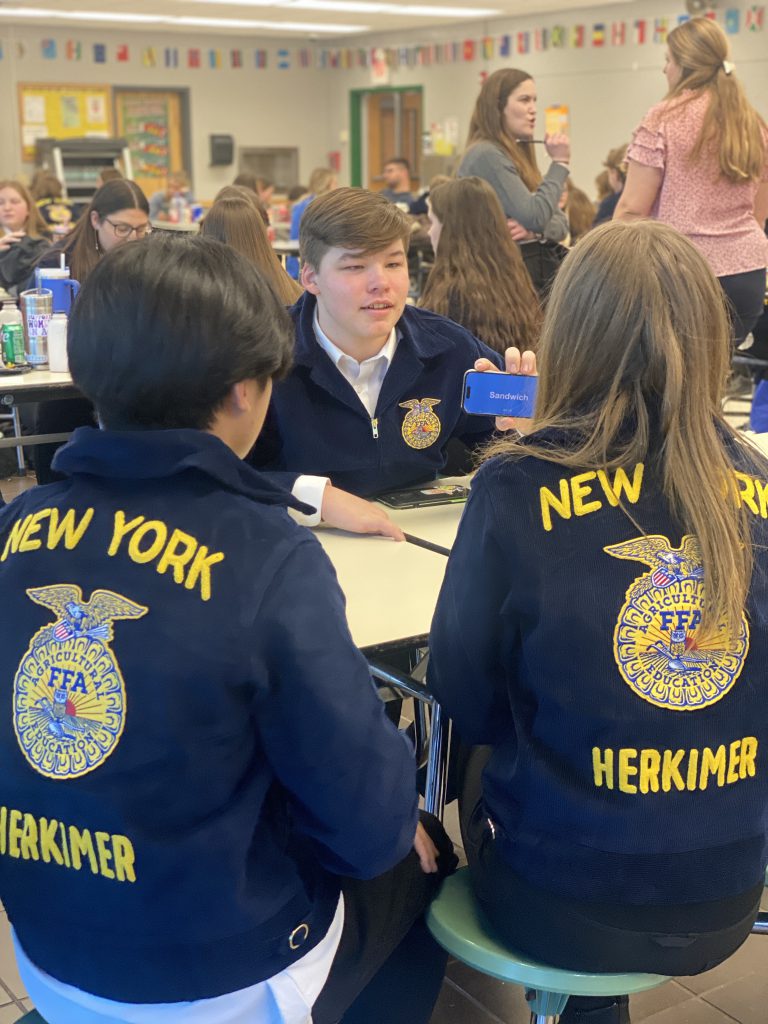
(64,290)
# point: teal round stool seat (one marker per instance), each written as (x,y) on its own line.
(457,923)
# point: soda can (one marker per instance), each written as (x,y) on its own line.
(13,345)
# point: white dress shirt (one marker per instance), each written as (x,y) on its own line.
(287,998)
(366,378)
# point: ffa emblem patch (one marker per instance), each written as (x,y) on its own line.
(68,693)
(421,427)
(655,642)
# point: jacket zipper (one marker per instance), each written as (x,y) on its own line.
(375,428)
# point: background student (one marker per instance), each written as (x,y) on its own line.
(397,181)
(607,597)
(322,180)
(23,236)
(235,218)
(498,150)
(118,213)
(699,161)
(374,395)
(479,278)
(227,797)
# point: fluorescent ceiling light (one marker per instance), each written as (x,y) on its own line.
(365,7)
(182,21)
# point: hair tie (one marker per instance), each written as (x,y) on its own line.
(728,67)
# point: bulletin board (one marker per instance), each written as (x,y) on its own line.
(62,112)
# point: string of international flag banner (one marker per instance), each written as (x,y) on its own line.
(640,31)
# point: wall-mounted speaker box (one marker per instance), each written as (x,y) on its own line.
(222,150)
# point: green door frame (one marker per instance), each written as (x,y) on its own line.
(356,129)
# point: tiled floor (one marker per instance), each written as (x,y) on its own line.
(735,991)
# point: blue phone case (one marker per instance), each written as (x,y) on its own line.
(498,394)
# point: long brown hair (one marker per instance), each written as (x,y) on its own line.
(34,225)
(235,219)
(580,211)
(489,125)
(731,125)
(81,246)
(484,287)
(634,355)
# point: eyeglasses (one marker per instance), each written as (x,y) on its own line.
(123,230)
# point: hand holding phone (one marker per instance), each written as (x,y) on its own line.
(515,362)
(493,393)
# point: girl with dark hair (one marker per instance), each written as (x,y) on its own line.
(118,213)
(485,288)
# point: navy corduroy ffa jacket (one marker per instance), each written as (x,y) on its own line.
(318,425)
(192,750)
(630,761)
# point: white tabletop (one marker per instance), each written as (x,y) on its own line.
(437,524)
(391,587)
(758,440)
(290,248)
(23,387)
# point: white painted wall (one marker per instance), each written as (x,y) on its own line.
(608,89)
(258,107)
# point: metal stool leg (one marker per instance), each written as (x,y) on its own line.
(20,463)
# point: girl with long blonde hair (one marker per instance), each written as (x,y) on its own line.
(603,629)
(23,235)
(699,161)
(486,287)
(235,218)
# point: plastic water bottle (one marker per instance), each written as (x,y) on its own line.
(57,344)
(175,209)
(12,332)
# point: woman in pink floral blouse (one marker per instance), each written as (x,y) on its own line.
(699,161)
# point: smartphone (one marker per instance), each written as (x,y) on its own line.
(498,394)
(423,497)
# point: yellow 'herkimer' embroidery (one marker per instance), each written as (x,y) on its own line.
(656,644)
(421,427)
(68,692)
(25,836)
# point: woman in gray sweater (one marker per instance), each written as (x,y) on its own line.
(499,149)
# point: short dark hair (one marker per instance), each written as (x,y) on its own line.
(399,160)
(164,327)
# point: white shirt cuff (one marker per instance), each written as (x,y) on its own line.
(309,490)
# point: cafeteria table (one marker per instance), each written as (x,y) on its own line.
(32,386)
(391,589)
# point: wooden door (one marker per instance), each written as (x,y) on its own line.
(153,123)
(392,123)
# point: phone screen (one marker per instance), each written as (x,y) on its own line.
(498,394)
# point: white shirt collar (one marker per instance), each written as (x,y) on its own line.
(338,357)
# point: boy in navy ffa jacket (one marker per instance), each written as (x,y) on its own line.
(194,755)
(374,396)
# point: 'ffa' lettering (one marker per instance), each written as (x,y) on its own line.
(148,541)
